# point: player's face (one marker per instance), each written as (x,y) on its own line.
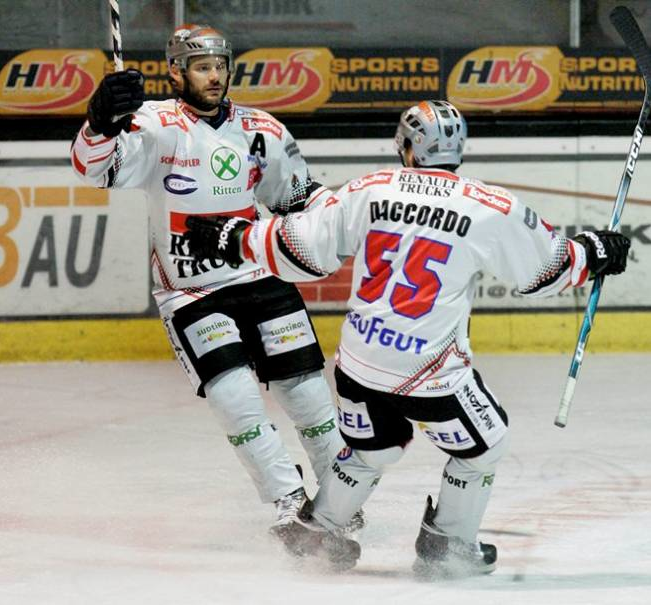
(206,78)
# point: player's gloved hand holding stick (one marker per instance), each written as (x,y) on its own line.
(607,251)
(216,237)
(119,94)
(624,22)
(111,107)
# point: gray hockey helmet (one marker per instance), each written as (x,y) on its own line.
(436,132)
(193,40)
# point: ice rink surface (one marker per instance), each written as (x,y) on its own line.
(119,488)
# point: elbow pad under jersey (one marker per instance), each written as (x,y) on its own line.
(277,245)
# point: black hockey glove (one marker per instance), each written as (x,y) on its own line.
(216,237)
(118,95)
(607,251)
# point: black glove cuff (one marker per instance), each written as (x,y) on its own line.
(606,251)
(110,129)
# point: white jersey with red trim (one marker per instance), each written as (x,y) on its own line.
(188,167)
(419,238)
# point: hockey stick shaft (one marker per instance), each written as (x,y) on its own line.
(630,32)
(116,35)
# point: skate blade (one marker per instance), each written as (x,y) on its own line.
(301,542)
(449,570)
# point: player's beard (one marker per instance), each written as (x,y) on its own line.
(194,98)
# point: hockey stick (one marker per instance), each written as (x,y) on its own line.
(117,36)
(629,30)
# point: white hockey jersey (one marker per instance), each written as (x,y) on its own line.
(420,238)
(188,167)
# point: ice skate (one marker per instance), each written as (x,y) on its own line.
(442,556)
(303,536)
(356,524)
(287,508)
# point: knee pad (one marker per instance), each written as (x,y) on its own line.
(378,459)
(306,399)
(308,402)
(486,462)
(234,396)
(348,483)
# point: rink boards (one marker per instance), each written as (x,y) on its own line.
(144,339)
(71,251)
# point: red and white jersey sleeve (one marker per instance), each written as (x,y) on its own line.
(420,239)
(305,246)
(521,248)
(122,161)
(187,167)
(285,188)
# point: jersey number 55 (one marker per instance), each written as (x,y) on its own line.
(415,298)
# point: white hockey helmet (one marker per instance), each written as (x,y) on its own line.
(436,132)
(191,40)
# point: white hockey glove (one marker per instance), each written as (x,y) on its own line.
(606,251)
(216,237)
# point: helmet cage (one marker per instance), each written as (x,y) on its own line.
(436,132)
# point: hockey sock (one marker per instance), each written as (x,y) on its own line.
(465,489)
(307,401)
(234,397)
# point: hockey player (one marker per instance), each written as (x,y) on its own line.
(201,155)
(420,235)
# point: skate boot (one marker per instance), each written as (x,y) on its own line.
(305,537)
(287,508)
(443,556)
(356,523)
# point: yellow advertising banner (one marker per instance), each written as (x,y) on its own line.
(490,79)
(506,77)
(283,79)
(50,81)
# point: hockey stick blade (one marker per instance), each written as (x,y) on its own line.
(630,32)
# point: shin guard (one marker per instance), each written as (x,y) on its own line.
(465,489)
(351,479)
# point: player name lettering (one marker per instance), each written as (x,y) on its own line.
(435,217)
